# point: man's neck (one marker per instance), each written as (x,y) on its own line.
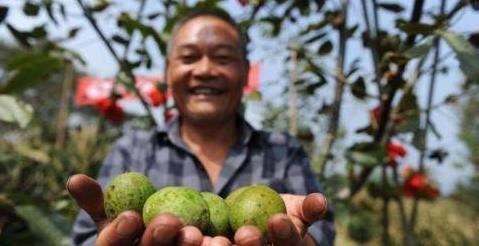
(210,143)
(224,134)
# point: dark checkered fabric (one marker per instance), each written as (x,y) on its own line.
(259,157)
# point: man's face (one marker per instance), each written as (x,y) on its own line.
(206,70)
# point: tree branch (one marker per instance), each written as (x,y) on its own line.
(387,102)
(122,63)
(432,85)
(332,131)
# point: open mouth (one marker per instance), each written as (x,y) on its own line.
(205,91)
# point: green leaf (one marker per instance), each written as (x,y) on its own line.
(63,11)
(467,55)
(434,130)
(100,6)
(358,88)
(419,139)
(119,39)
(314,27)
(73,32)
(130,25)
(393,7)
(315,37)
(415,28)
(154,15)
(42,225)
(15,111)
(21,37)
(303,7)
(38,32)
(28,70)
(311,88)
(351,30)
(3,13)
(48,4)
(275,22)
(31,9)
(325,48)
(319,4)
(473,39)
(72,55)
(408,111)
(418,51)
(366,154)
(255,96)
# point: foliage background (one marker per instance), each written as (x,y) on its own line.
(42,144)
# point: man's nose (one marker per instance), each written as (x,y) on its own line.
(205,68)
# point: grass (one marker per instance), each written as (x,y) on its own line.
(441,222)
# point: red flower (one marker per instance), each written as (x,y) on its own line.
(156,97)
(395,150)
(110,110)
(170,114)
(375,113)
(418,185)
(243,2)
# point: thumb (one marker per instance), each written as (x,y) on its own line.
(89,196)
(314,206)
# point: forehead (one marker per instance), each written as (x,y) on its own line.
(206,29)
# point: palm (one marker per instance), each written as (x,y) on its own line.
(302,211)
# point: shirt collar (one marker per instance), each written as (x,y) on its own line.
(172,131)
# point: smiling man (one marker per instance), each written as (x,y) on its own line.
(209,147)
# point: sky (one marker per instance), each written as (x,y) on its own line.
(269,54)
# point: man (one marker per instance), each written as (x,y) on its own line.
(208,147)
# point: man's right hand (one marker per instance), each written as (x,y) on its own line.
(127,228)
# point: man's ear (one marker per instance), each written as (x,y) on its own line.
(165,72)
(247,67)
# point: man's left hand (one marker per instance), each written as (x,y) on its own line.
(290,228)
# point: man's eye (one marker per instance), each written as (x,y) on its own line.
(188,58)
(223,59)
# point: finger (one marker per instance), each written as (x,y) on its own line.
(220,241)
(89,196)
(314,206)
(282,231)
(206,241)
(124,230)
(190,236)
(249,236)
(162,230)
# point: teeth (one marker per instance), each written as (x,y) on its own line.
(206,91)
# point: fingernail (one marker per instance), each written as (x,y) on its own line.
(283,230)
(68,182)
(125,227)
(162,234)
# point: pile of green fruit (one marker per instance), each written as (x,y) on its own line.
(248,205)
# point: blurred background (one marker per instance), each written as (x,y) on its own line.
(383,95)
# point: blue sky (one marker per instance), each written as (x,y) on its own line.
(100,63)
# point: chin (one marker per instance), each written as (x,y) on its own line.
(208,117)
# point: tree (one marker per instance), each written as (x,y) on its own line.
(318,36)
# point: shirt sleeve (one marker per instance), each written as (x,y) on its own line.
(84,229)
(301,180)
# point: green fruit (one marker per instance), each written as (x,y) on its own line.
(185,203)
(254,206)
(219,215)
(127,191)
(230,199)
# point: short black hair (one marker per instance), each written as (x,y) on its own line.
(211,12)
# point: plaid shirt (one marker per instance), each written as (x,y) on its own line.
(259,157)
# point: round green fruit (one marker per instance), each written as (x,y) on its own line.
(254,206)
(185,203)
(219,215)
(127,191)
(230,199)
